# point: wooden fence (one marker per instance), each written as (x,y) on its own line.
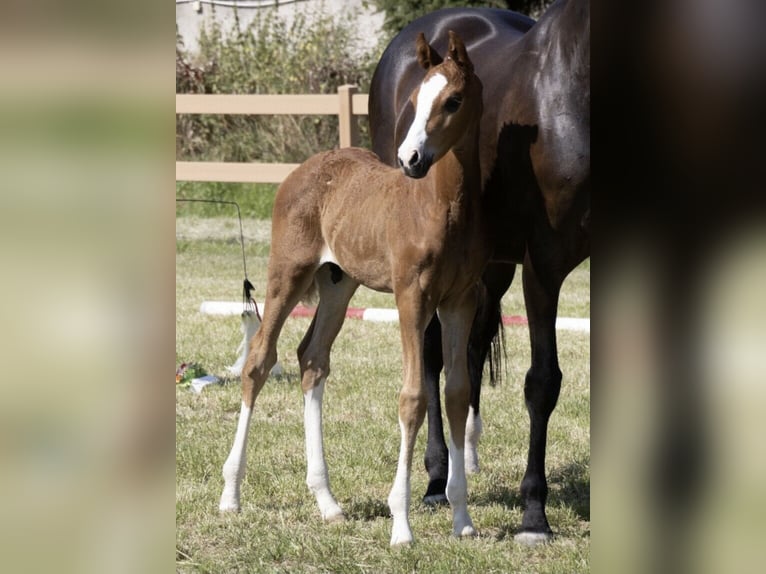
(345,105)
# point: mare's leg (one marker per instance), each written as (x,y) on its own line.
(286,285)
(456,317)
(496,280)
(413,317)
(314,359)
(541,391)
(436,449)
(485,333)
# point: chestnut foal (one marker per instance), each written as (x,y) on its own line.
(342,219)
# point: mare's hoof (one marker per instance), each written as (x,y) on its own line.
(529,538)
(435,500)
(435,494)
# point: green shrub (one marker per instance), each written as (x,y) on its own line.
(399,13)
(313,55)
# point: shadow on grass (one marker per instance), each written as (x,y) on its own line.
(367,509)
(568,486)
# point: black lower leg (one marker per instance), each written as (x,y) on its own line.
(436,456)
(541,392)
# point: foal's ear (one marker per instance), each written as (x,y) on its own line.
(457,52)
(427,56)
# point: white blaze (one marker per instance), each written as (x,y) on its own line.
(416,136)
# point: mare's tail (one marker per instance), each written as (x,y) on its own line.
(487,343)
(496,353)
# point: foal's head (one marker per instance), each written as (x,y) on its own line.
(447,105)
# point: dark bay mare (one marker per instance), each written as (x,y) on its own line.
(535,164)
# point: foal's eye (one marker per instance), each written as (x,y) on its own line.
(452,104)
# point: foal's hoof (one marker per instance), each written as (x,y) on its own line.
(330,511)
(401,537)
(472,464)
(467,531)
(402,542)
(334,517)
(228,507)
(529,538)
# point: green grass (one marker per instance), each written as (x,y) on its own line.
(279,528)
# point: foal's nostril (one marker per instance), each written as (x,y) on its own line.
(414,158)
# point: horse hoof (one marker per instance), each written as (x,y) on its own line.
(436,492)
(228,507)
(335,517)
(401,539)
(467,531)
(529,538)
(472,466)
(435,500)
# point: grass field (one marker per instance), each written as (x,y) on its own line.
(279,528)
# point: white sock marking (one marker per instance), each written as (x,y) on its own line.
(399,497)
(473,430)
(317,477)
(457,492)
(234,467)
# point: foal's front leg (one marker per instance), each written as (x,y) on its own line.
(412,407)
(456,317)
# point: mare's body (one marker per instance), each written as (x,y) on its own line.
(535,162)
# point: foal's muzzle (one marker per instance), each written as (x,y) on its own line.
(416,166)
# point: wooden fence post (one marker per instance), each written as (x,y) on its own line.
(347,126)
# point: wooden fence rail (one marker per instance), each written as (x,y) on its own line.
(345,105)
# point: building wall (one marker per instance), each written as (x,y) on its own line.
(189,20)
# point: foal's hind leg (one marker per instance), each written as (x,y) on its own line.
(314,359)
(286,285)
(456,318)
